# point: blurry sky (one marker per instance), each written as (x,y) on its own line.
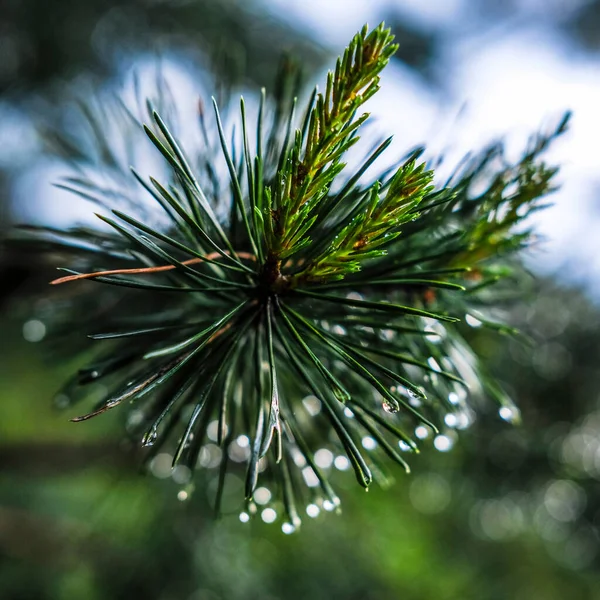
(500,68)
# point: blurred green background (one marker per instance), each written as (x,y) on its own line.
(508,513)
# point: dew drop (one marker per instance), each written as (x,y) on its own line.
(262,495)
(473,321)
(434,364)
(161,465)
(340,394)
(403,446)
(416,402)
(312,405)
(443,443)
(389,407)
(149,438)
(369,443)
(268,515)
(508,414)
(324,458)
(422,432)
(244,517)
(181,474)
(34,330)
(310,477)
(312,510)
(243,441)
(299,459)
(288,528)
(212,430)
(341,463)
(451,420)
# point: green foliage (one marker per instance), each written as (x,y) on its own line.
(295,307)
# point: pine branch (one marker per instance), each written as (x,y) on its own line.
(270,322)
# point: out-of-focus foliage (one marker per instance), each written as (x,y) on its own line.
(508,513)
(47,40)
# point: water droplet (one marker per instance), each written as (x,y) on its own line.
(328,505)
(465,419)
(312,510)
(161,465)
(473,321)
(312,405)
(453,398)
(299,458)
(443,443)
(244,517)
(324,458)
(268,515)
(243,441)
(422,432)
(209,456)
(238,452)
(388,334)
(389,407)
(262,495)
(451,420)
(341,463)
(434,364)
(181,474)
(508,414)
(354,296)
(416,402)
(369,443)
(34,330)
(310,477)
(340,394)
(338,330)
(288,528)
(150,437)
(182,495)
(403,446)
(212,431)
(348,413)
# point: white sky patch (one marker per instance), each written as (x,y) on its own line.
(429,12)
(333,22)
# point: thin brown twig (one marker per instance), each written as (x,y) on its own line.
(145,270)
